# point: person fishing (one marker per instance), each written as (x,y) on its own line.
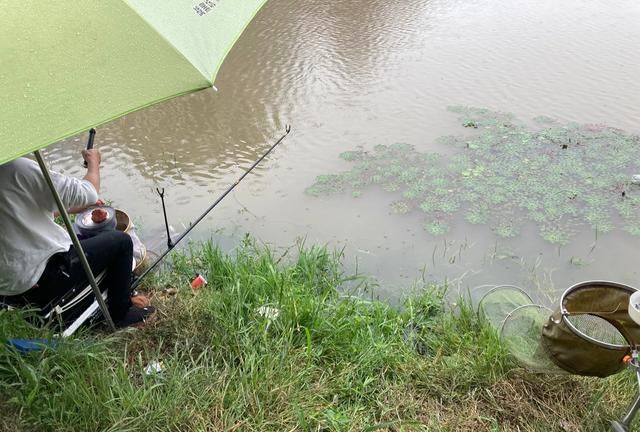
(38,263)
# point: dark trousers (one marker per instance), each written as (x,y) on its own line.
(111,251)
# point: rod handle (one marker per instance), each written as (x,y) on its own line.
(92,136)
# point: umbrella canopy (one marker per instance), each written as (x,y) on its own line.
(68,66)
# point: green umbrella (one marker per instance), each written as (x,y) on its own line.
(67,66)
(70,65)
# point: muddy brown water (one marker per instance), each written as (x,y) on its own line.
(360,73)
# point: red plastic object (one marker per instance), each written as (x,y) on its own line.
(198,282)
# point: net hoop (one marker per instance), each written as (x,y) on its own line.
(504,321)
(476,289)
(495,288)
(566,314)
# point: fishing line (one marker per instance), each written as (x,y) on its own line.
(172,244)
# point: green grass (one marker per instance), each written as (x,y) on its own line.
(329,361)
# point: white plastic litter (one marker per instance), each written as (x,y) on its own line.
(268,312)
(154,367)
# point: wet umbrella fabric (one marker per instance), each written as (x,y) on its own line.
(68,66)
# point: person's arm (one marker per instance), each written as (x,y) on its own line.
(72,192)
(76,210)
(78,194)
(93,158)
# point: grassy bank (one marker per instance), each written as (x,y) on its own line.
(273,343)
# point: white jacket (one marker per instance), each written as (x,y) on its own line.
(28,234)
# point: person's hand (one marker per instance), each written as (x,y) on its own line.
(92,157)
(101,202)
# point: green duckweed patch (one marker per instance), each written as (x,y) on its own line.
(564,177)
(276,342)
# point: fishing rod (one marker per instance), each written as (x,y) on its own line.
(172,244)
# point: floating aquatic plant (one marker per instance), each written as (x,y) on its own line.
(401,207)
(633,228)
(554,234)
(328,183)
(505,230)
(437,227)
(477,216)
(561,176)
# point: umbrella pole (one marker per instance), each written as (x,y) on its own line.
(74,240)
